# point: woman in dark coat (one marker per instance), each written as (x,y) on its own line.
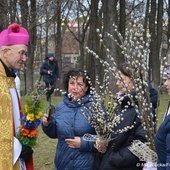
(118,155)
(50,72)
(69,125)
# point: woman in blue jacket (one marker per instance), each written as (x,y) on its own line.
(162,142)
(69,125)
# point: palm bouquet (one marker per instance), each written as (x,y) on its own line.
(31,119)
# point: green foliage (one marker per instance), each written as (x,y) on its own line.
(34,105)
(163,104)
(27,141)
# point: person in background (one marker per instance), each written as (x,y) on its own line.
(50,72)
(118,156)
(162,141)
(13,54)
(17,83)
(68,124)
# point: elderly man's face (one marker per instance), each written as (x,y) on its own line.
(14,56)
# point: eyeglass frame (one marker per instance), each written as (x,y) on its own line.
(22,53)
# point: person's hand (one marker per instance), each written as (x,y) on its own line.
(26,153)
(101,145)
(45,121)
(74,143)
(49,72)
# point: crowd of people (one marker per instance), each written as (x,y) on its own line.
(68,124)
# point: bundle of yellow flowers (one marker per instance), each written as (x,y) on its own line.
(30,120)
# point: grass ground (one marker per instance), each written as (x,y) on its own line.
(163,104)
(44,152)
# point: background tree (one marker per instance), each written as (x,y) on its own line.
(155,28)
(80,12)
(93,40)
(83,26)
(58,37)
(110,17)
(32,46)
(3,15)
(89,16)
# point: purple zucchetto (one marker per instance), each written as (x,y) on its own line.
(13,35)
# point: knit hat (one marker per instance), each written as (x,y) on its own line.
(50,55)
(14,34)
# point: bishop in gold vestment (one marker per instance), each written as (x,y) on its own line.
(13,49)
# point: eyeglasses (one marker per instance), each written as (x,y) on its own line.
(22,53)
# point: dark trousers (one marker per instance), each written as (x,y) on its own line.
(49,88)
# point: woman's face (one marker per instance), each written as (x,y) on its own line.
(51,58)
(76,87)
(124,83)
(167,85)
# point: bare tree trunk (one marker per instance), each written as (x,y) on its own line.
(168,31)
(156,38)
(3,14)
(46,31)
(81,43)
(102,54)
(93,40)
(110,18)
(82,37)
(81,57)
(122,25)
(58,40)
(32,45)
(13,11)
(122,21)
(146,20)
(24,23)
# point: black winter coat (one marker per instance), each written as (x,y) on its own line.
(53,67)
(118,156)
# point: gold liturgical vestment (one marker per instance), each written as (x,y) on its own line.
(6,122)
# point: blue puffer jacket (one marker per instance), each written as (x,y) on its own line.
(68,121)
(162,144)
